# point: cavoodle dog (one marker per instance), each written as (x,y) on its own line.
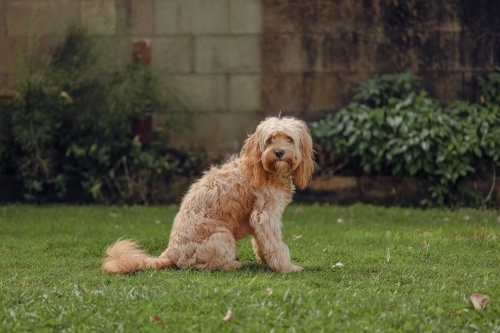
(244,197)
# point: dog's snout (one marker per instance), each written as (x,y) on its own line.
(279,153)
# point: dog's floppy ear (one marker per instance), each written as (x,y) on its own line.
(302,174)
(252,161)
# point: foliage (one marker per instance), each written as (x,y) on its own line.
(406,270)
(397,131)
(71,125)
(379,90)
(490,87)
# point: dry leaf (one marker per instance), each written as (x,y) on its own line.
(111,214)
(340,221)
(157,319)
(325,249)
(466,218)
(479,301)
(299,210)
(426,245)
(446,219)
(269,291)
(229,316)
(295,237)
(339,264)
(66,96)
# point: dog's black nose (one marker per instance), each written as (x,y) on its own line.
(279,153)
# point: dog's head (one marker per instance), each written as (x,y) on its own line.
(279,146)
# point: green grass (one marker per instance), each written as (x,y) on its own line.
(50,278)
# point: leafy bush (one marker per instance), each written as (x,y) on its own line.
(399,130)
(71,125)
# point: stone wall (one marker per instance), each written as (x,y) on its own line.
(236,61)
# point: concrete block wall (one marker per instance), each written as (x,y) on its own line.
(207,51)
(235,61)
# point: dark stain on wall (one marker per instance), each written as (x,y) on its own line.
(320,49)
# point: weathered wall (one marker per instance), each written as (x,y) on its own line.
(319,49)
(236,61)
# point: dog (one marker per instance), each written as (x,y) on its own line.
(246,196)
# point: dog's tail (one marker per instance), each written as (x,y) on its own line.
(124,256)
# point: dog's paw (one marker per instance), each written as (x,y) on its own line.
(295,268)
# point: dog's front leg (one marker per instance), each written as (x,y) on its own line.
(267,239)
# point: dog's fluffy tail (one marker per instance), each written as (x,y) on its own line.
(125,256)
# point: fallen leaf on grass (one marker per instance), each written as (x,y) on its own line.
(157,319)
(111,214)
(269,291)
(295,237)
(340,221)
(299,210)
(229,316)
(479,301)
(339,265)
(426,245)
(464,310)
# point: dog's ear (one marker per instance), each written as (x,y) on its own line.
(302,174)
(252,163)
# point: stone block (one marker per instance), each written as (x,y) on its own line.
(58,16)
(317,16)
(285,92)
(142,19)
(391,54)
(329,91)
(3,18)
(296,53)
(438,50)
(166,15)
(477,49)
(245,92)
(173,54)
(201,93)
(216,54)
(449,86)
(9,53)
(24,18)
(203,16)
(245,16)
(221,140)
(98,16)
(282,53)
(123,14)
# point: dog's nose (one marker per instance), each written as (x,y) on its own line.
(279,153)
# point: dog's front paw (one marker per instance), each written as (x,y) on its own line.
(294,268)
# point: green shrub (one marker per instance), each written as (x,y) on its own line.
(71,125)
(399,130)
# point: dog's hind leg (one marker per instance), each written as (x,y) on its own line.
(217,252)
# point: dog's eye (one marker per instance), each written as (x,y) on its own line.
(269,141)
(289,140)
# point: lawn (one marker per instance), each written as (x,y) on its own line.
(405,270)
